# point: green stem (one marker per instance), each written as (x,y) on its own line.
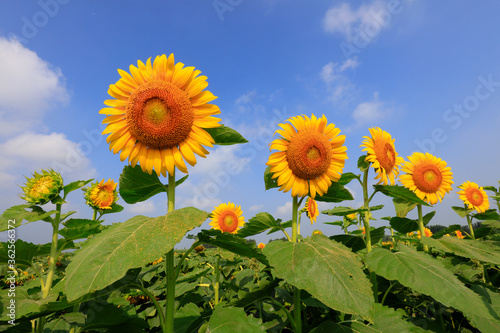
(469,221)
(421,227)
(53,253)
(296,292)
(366,220)
(153,299)
(94,215)
(184,256)
(298,223)
(386,293)
(169,265)
(217,277)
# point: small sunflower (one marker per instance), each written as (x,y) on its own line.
(42,187)
(427,176)
(382,155)
(227,218)
(427,233)
(199,248)
(312,209)
(159,114)
(352,217)
(459,234)
(101,195)
(311,154)
(317,232)
(261,245)
(474,197)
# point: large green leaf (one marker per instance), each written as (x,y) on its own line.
(106,258)
(347,177)
(80,228)
(426,275)
(327,270)
(230,320)
(336,193)
(224,135)
(488,325)
(462,211)
(396,191)
(259,223)
(355,243)
(486,251)
(344,211)
(269,182)
(402,206)
(16,215)
(490,214)
(403,224)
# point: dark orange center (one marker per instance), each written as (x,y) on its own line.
(311,208)
(228,221)
(427,178)
(159,115)
(474,196)
(309,155)
(386,156)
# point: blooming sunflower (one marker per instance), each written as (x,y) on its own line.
(101,195)
(261,246)
(312,209)
(474,196)
(427,176)
(227,218)
(42,187)
(382,155)
(459,234)
(427,232)
(310,156)
(159,114)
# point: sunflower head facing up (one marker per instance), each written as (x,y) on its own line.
(101,195)
(261,246)
(227,218)
(382,155)
(427,176)
(312,209)
(310,155)
(474,197)
(158,115)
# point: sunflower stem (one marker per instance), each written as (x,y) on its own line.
(217,277)
(469,221)
(296,291)
(169,265)
(421,227)
(53,252)
(366,220)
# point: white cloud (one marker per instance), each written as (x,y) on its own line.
(371,111)
(142,207)
(29,86)
(346,21)
(255,208)
(337,83)
(285,211)
(224,159)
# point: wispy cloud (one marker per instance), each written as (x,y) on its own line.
(374,110)
(337,83)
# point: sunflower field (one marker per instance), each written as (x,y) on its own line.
(130,277)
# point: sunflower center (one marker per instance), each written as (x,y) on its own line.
(475,197)
(41,186)
(159,115)
(309,155)
(427,178)
(228,222)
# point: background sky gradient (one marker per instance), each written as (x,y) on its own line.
(427,72)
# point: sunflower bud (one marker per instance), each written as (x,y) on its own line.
(101,195)
(42,188)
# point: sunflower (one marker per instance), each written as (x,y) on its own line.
(312,209)
(427,176)
(101,195)
(427,233)
(261,246)
(159,114)
(474,197)
(310,156)
(317,232)
(383,156)
(42,187)
(227,218)
(459,234)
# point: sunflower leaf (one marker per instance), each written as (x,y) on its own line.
(485,251)
(225,136)
(74,186)
(318,264)
(403,225)
(402,206)
(231,319)
(347,177)
(269,182)
(490,214)
(445,231)
(106,258)
(396,191)
(16,215)
(344,211)
(259,223)
(336,193)
(363,165)
(462,211)
(490,188)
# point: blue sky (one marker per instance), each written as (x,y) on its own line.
(427,72)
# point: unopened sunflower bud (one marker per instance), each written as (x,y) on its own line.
(42,187)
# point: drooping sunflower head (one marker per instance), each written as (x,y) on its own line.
(42,187)
(101,195)
(310,155)
(312,209)
(227,218)
(382,155)
(159,115)
(261,246)
(474,196)
(427,176)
